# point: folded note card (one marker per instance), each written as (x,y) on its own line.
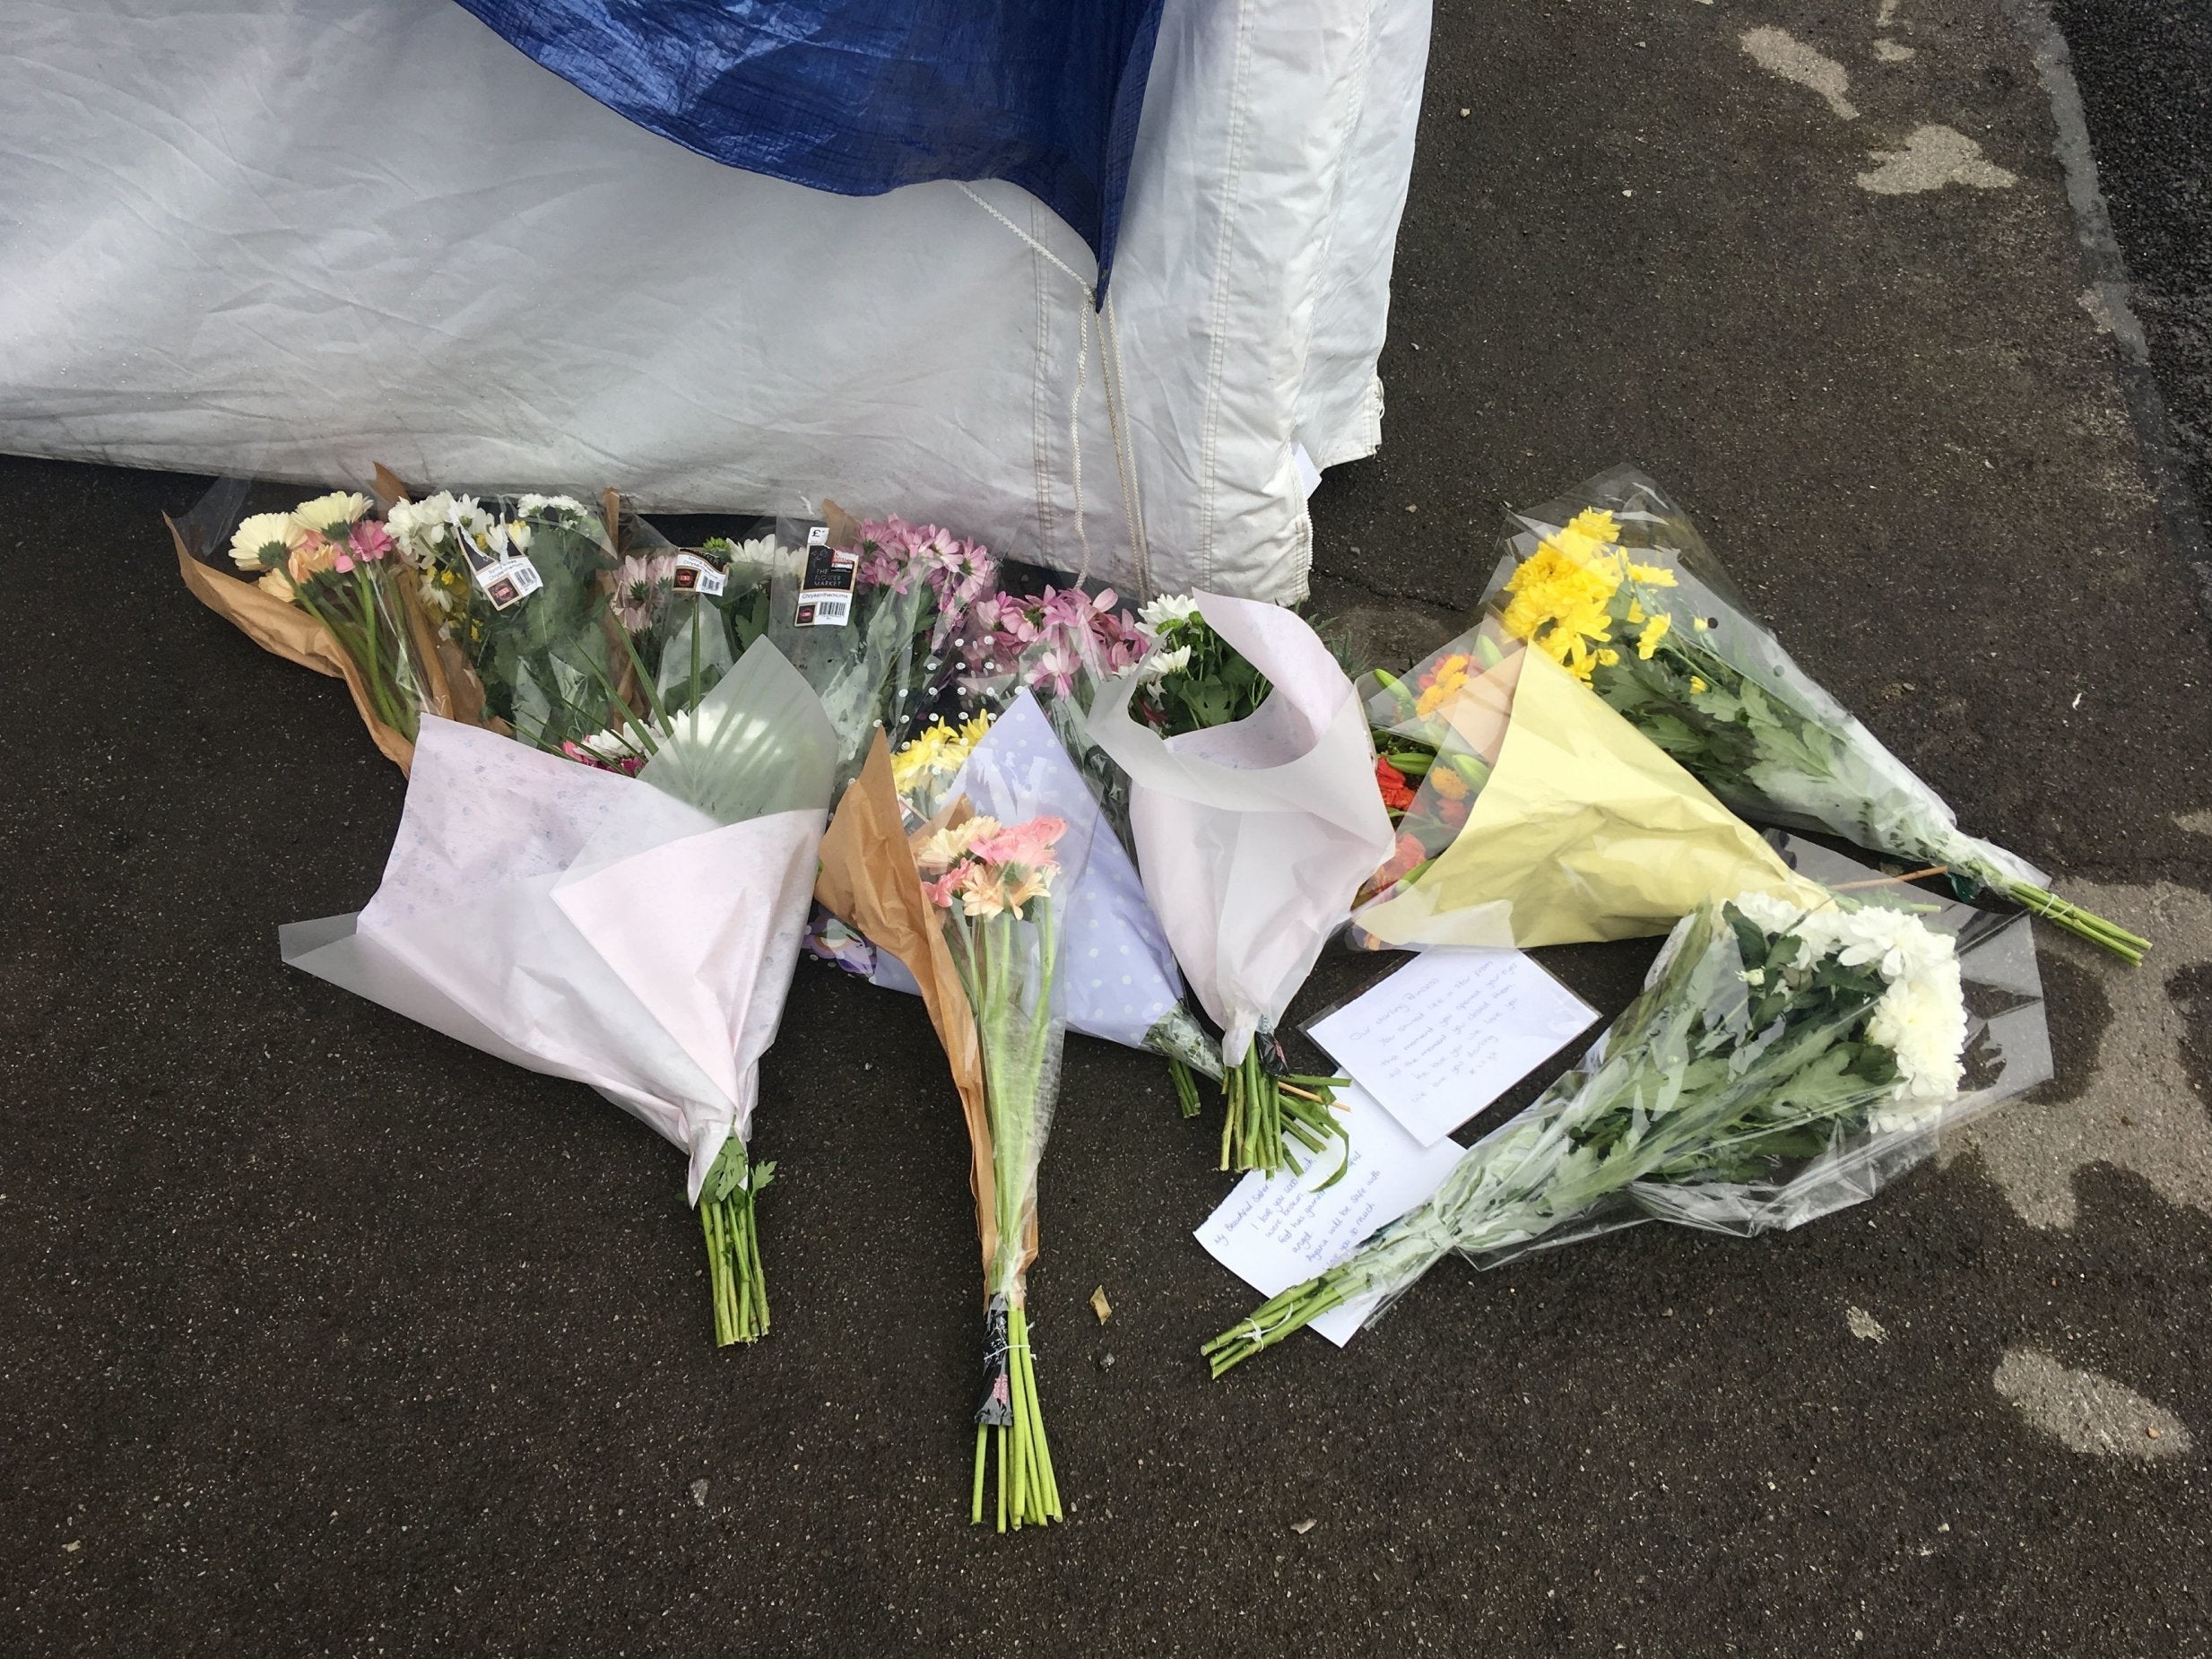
(1449,1032)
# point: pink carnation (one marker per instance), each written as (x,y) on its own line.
(370,540)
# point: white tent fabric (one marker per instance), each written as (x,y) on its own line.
(301,237)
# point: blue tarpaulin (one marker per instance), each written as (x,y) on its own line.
(863,96)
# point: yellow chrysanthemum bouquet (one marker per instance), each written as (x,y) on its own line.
(1615,584)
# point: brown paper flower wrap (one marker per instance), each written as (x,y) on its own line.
(868,880)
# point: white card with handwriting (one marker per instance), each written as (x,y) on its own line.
(1449,1032)
(1273,1234)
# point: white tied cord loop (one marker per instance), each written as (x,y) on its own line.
(1114,377)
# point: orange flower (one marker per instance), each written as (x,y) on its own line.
(1445,779)
(1397,793)
(311,555)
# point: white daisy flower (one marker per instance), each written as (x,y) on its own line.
(1159,665)
(1157,613)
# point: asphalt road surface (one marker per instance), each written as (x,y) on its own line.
(324,1335)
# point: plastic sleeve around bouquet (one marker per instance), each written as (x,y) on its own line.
(696,635)
(1635,1134)
(635,934)
(286,629)
(1252,838)
(868,880)
(1761,734)
(1120,982)
(551,662)
(899,662)
(1544,817)
(1019,970)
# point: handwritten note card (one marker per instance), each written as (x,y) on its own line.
(1451,1031)
(1275,1234)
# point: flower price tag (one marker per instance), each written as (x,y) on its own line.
(511,581)
(695,573)
(825,590)
(503,570)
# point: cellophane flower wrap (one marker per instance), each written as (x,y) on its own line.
(1781,1062)
(1614,583)
(1252,837)
(678,619)
(1123,985)
(691,612)
(997,868)
(636,933)
(1060,646)
(523,587)
(1528,813)
(907,657)
(332,561)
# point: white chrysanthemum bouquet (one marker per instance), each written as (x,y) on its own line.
(1780,1063)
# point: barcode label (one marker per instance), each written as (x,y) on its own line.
(825,590)
(697,575)
(508,581)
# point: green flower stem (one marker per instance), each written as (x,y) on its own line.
(1028,1492)
(357,643)
(736,1283)
(694,703)
(1265,1114)
(1186,1086)
(2083,923)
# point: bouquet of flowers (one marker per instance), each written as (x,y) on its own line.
(636,933)
(1616,586)
(1251,836)
(992,884)
(1530,813)
(320,589)
(691,612)
(1048,651)
(1123,987)
(330,558)
(523,588)
(882,624)
(1781,1062)
(682,617)
(970,903)
(1061,646)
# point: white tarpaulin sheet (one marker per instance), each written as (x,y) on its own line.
(297,239)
